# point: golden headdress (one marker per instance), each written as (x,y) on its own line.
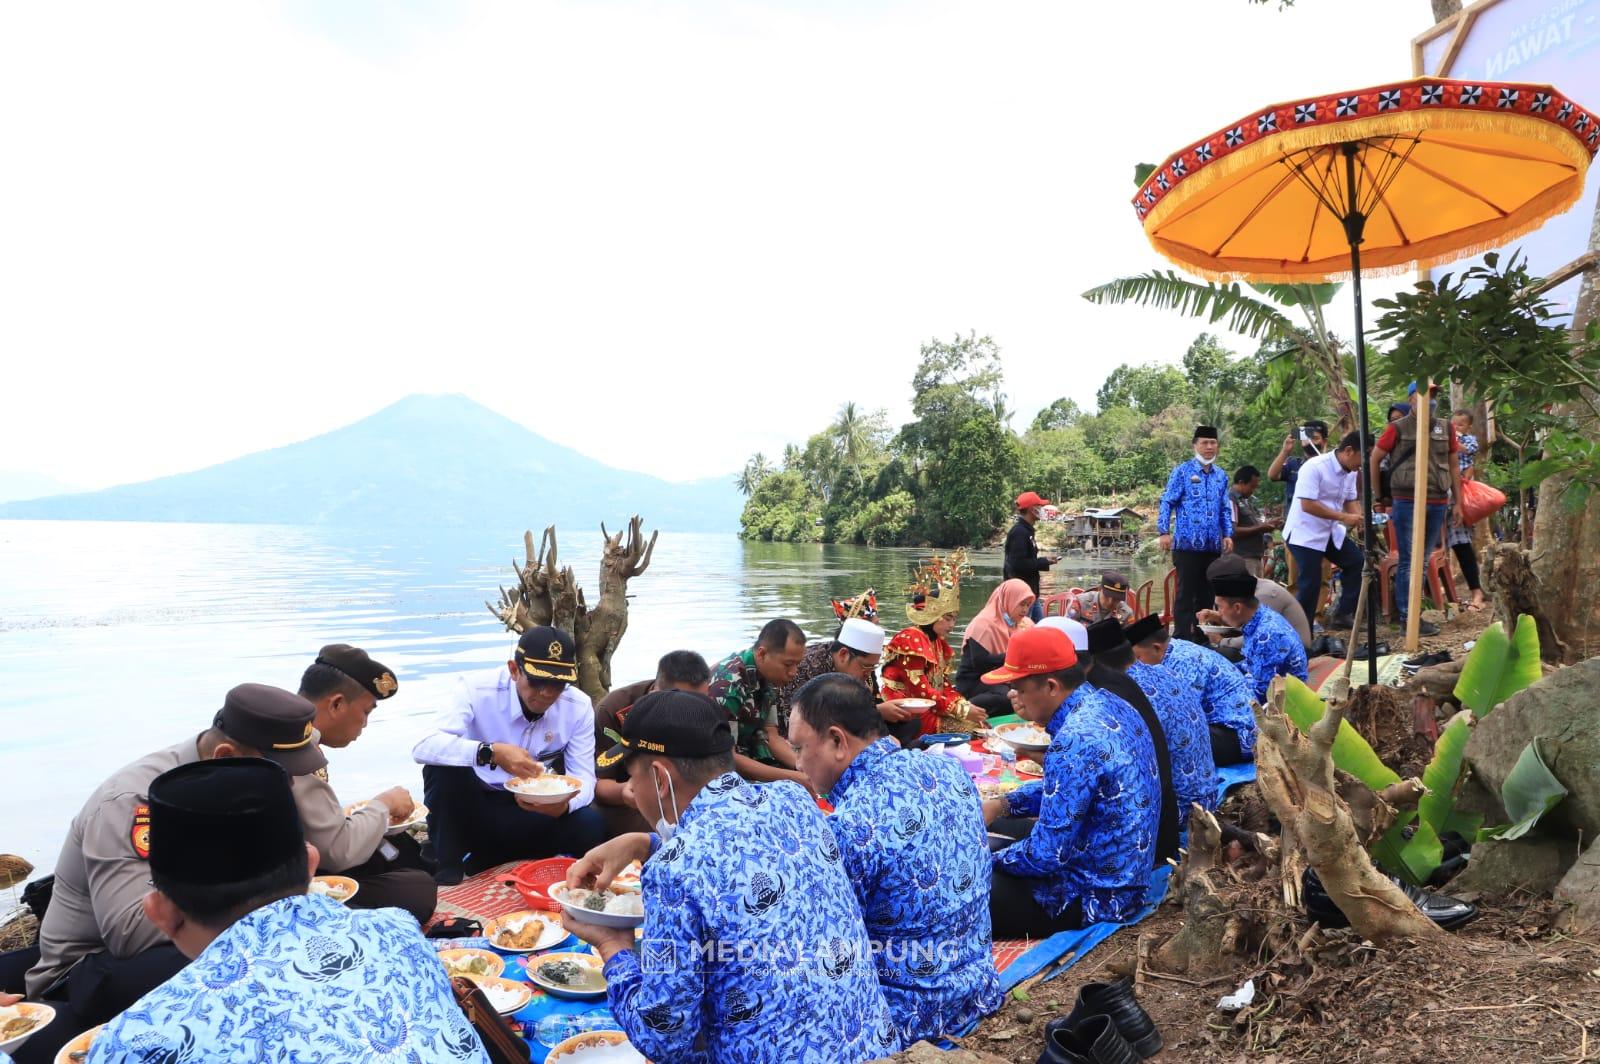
(935,587)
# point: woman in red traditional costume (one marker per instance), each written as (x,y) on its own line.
(919,663)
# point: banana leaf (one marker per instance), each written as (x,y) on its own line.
(1351,752)
(1531,790)
(1442,774)
(1388,852)
(1498,667)
(1419,856)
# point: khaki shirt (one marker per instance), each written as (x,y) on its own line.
(103,874)
(341,841)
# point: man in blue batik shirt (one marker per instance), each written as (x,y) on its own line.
(754,951)
(1182,719)
(910,828)
(277,975)
(1196,525)
(1223,693)
(1271,647)
(1088,857)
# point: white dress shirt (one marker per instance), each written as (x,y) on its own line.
(486,709)
(1324,480)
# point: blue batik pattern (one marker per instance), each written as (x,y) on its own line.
(1195,508)
(301,980)
(753,950)
(910,827)
(1271,648)
(1188,738)
(1074,700)
(1098,805)
(1223,693)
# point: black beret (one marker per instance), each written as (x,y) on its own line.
(223,820)
(354,663)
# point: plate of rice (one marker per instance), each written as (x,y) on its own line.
(604,907)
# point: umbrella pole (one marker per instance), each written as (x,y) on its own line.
(1354,225)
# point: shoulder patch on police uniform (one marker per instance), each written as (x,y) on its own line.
(140,833)
(321,773)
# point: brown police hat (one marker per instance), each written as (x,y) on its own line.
(354,663)
(275,722)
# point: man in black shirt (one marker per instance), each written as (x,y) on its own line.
(1023,561)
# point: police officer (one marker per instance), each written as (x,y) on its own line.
(346,685)
(98,951)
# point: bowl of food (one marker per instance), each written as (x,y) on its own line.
(505,995)
(1223,631)
(604,907)
(921,705)
(1029,767)
(525,932)
(419,814)
(22,1021)
(549,788)
(988,789)
(569,975)
(76,1051)
(471,963)
(1029,738)
(596,1047)
(629,879)
(336,888)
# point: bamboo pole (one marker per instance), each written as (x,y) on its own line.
(1422,411)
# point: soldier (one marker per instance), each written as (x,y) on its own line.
(99,953)
(345,685)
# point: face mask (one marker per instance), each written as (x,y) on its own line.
(1207,462)
(1009,622)
(663,828)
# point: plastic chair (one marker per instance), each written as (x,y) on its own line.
(1440,581)
(1169,595)
(1056,605)
(1141,599)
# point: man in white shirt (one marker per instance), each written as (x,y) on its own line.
(520,721)
(1325,507)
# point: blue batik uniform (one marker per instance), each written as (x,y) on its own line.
(1188,737)
(1074,700)
(910,827)
(1223,693)
(1195,507)
(301,979)
(1271,648)
(753,950)
(1099,807)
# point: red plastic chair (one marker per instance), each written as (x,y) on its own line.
(1441,582)
(1169,595)
(1141,599)
(1056,605)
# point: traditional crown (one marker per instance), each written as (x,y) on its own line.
(864,605)
(935,586)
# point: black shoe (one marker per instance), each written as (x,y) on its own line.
(1449,913)
(1116,1000)
(1343,623)
(1093,1040)
(449,877)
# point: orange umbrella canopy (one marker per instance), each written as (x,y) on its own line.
(1442,169)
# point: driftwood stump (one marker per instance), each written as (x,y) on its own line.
(1514,588)
(1296,777)
(548,593)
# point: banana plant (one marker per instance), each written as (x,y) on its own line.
(1499,666)
(1531,790)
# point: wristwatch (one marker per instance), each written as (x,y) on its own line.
(486,755)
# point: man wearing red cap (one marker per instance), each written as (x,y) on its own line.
(1023,561)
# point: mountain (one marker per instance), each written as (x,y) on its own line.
(427,459)
(22,484)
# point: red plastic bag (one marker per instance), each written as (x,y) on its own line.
(1479,500)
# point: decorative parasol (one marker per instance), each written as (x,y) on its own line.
(1404,175)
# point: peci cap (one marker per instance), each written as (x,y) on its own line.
(861,636)
(354,663)
(1106,635)
(1205,432)
(1037,651)
(223,820)
(1113,581)
(1233,585)
(1029,499)
(275,722)
(1074,629)
(548,653)
(672,724)
(1144,628)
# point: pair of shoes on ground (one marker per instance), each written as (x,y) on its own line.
(1106,1026)
(1449,913)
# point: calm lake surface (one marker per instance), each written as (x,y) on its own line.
(117,639)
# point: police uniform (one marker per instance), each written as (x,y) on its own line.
(389,869)
(97,952)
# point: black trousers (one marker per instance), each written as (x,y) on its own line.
(473,828)
(1013,910)
(401,881)
(98,988)
(1225,748)
(1467,560)
(1194,592)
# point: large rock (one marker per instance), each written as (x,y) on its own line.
(1498,869)
(1563,712)
(1580,890)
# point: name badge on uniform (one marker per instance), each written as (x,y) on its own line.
(140,833)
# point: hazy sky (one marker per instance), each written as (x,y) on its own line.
(666,233)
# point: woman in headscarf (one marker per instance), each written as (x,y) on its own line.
(983,648)
(919,663)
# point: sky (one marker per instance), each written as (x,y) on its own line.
(669,234)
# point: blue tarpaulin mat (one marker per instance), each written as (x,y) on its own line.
(1231,776)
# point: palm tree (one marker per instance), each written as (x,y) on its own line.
(755,471)
(850,433)
(1258,319)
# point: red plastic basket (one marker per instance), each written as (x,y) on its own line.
(534,877)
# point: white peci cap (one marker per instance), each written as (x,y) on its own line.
(1075,631)
(862,636)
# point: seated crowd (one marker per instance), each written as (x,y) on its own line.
(180,914)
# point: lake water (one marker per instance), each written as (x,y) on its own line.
(117,639)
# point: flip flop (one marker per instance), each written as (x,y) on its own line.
(1474,607)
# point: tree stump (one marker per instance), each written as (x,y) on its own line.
(1514,588)
(548,593)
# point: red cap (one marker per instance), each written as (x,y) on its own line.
(1034,652)
(1029,499)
